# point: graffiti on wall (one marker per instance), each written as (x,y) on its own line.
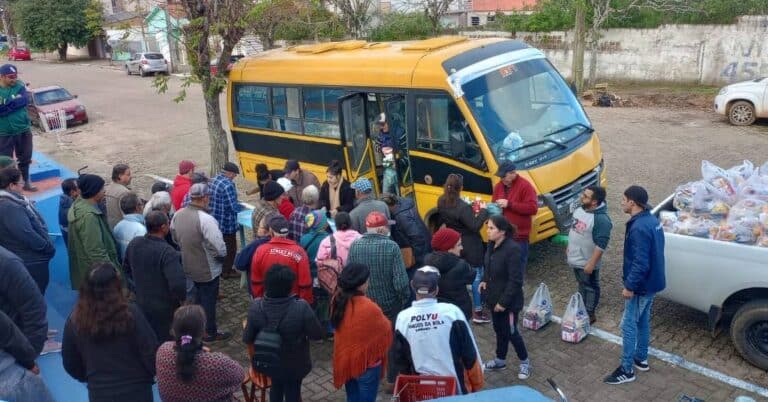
(750,62)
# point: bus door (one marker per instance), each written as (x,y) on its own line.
(396,110)
(358,150)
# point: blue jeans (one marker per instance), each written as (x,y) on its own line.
(636,330)
(477,302)
(206,295)
(523,253)
(19,384)
(365,387)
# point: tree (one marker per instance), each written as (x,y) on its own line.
(53,24)
(267,16)
(226,19)
(434,10)
(356,14)
(401,26)
(579,32)
(5,15)
(312,21)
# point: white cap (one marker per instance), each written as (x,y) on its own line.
(285,183)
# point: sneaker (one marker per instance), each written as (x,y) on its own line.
(619,376)
(642,365)
(494,364)
(480,317)
(525,370)
(220,336)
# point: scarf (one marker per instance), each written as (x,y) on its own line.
(362,339)
(334,196)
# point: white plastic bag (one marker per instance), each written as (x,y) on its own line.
(575,326)
(539,310)
(742,172)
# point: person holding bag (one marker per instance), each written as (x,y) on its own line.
(334,250)
(292,319)
(503,286)
(363,336)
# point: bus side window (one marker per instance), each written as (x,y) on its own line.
(440,128)
(286,109)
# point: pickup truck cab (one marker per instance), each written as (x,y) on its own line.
(727,281)
(743,102)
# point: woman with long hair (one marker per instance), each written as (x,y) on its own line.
(189,371)
(336,195)
(458,215)
(363,336)
(107,341)
(503,286)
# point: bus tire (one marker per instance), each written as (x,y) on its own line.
(749,332)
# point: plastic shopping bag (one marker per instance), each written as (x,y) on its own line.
(539,310)
(575,326)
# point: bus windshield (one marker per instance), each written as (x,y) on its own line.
(526,110)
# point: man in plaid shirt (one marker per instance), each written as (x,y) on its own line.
(224,208)
(296,226)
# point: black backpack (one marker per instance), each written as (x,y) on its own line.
(267,346)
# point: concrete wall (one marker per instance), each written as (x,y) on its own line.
(707,54)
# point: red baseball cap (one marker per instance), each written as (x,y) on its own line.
(376,219)
(185,166)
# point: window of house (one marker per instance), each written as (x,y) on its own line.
(252,106)
(475,21)
(491,18)
(321,111)
(441,128)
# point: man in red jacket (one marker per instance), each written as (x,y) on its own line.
(281,250)
(182,183)
(517,199)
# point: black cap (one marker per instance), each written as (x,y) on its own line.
(425,280)
(279,225)
(160,186)
(231,168)
(638,195)
(271,191)
(291,165)
(505,167)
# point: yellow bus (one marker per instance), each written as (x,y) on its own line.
(462,106)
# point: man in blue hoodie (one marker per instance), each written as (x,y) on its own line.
(643,277)
(587,241)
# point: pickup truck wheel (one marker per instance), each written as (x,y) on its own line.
(749,332)
(741,113)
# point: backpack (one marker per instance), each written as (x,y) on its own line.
(267,346)
(329,269)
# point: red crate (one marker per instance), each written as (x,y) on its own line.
(412,388)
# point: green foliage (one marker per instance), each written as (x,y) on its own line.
(546,16)
(94,18)
(711,12)
(402,26)
(311,21)
(50,24)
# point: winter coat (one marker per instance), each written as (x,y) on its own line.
(130,227)
(455,275)
(181,185)
(299,325)
(365,207)
(410,230)
(90,240)
(462,219)
(344,241)
(113,193)
(522,206)
(310,242)
(280,250)
(24,231)
(346,197)
(503,275)
(643,271)
(202,244)
(388,283)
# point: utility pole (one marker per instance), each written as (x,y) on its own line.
(579,36)
(170,38)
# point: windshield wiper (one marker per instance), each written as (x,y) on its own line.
(544,141)
(566,128)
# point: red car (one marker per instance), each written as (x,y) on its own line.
(19,53)
(49,100)
(232,60)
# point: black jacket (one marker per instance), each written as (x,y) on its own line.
(503,276)
(113,365)
(157,273)
(21,301)
(13,342)
(25,232)
(410,230)
(463,220)
(346,197)
(455,275)
(299,325)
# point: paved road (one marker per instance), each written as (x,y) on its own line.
(657,148)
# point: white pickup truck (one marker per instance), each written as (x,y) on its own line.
(727,281)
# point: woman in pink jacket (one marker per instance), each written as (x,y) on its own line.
(344,236)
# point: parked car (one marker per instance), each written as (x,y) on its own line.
(145,63)
(744,102)
(48,100)
(19,53)
(232,60)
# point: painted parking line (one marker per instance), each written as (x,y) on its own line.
(681,362)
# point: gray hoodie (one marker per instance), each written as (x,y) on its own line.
(590,230)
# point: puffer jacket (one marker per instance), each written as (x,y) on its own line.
(455,275)
(410,230)
(503,275)
(463,220)
(344,241)
(25,232)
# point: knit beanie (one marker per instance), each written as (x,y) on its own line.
(316,221)
(444,239)
(89,185)
(272,191)
(353,275)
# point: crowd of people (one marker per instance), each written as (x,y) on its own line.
(326,261)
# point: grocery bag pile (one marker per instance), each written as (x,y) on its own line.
(575,323)
(729,205)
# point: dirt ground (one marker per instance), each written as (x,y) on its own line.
(659,147)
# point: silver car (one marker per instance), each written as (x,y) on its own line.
(145,63)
